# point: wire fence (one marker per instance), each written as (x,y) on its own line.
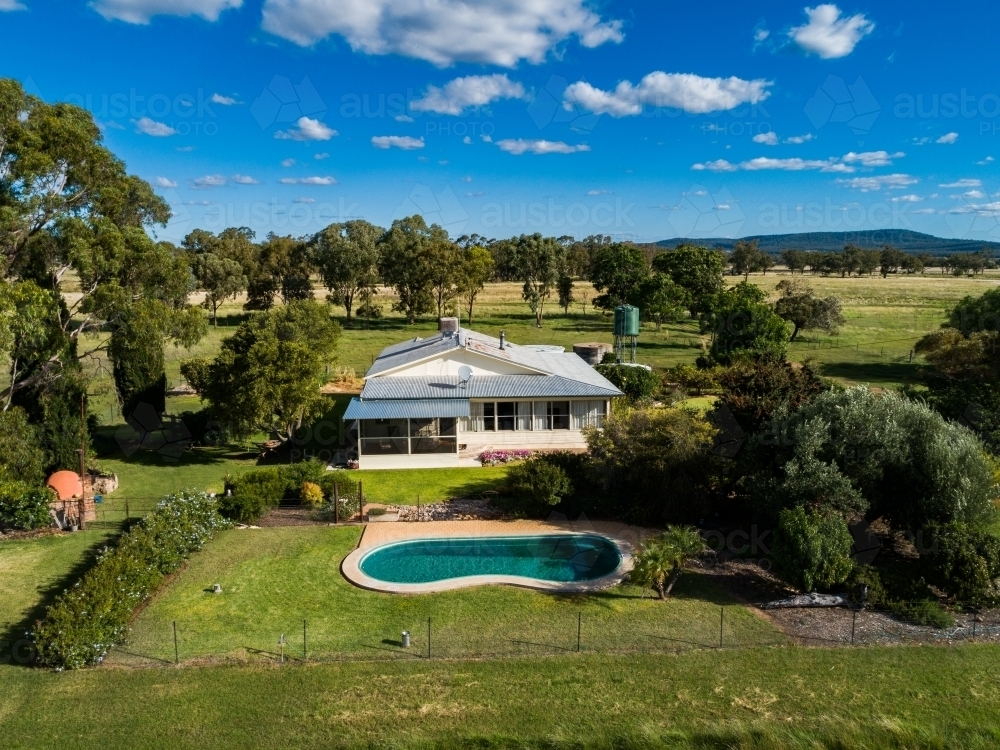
(437,637)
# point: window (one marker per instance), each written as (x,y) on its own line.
(542,415)
(392,437)
(383,437)
(505,416)
(489,413)
(524,415)
(560,415)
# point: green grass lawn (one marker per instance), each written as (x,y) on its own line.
(404,486)
(33,571)
(274,578)
(765,699)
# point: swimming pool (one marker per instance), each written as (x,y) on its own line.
(559,561)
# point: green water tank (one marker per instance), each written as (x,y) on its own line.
(626,320)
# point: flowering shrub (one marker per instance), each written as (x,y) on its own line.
(496,458)
(92,616)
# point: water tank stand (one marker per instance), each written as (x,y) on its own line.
(625,345)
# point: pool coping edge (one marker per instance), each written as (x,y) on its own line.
(350,568)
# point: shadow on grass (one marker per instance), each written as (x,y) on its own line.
(875,372)
(107,447)
(48,594)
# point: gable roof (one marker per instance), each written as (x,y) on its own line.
(556,373)
(418,349)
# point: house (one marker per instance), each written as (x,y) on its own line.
(442,400)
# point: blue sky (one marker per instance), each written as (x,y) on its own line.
(645,120)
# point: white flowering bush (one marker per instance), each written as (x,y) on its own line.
(92,616)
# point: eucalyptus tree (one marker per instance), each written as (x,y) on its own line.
(347,256)
(538,262)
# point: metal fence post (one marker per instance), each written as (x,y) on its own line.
(177,659)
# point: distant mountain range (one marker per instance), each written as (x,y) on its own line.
(901,239)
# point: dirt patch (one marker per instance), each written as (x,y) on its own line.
(290,515)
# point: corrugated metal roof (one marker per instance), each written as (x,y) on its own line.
(406,409)
(486,386)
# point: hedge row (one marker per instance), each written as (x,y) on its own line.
(247,496)
(91,617)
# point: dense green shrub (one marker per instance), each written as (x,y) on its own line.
(637,383)
(877,454)
(247,496)
(536,486)
(812,550)
(23,506)
(899,590)
(21,454)
(961,561)
(653,465)
(92,616)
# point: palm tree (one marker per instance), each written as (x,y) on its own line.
(662,560)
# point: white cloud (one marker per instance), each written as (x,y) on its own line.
(404,142)
(307,129)
(908,198)
(185,149)
(288,162)
(210,181)
(304,200)
(794,165)
(889,181)
(598,192)
(924,211)
(467,140)
(475,195)
(768,139)
(403,118)
(443,32)
(872,158)
(964,183)
(141,11)
(153,128)
(947,138)
(719,165)
(828,35)
(225,101)
(686,91)
(308,181)
(243,179)
(11,5)
(165,182)
(845,164)
(976,194)
(521,146)
(799,139)
(985,161)
(486,138)
(321,156)
(759,35)
(470,91)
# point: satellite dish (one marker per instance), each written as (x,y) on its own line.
(464,374)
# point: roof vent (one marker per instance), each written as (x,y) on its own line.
(448,326)
(503,339)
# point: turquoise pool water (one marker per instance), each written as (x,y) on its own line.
(556,557)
